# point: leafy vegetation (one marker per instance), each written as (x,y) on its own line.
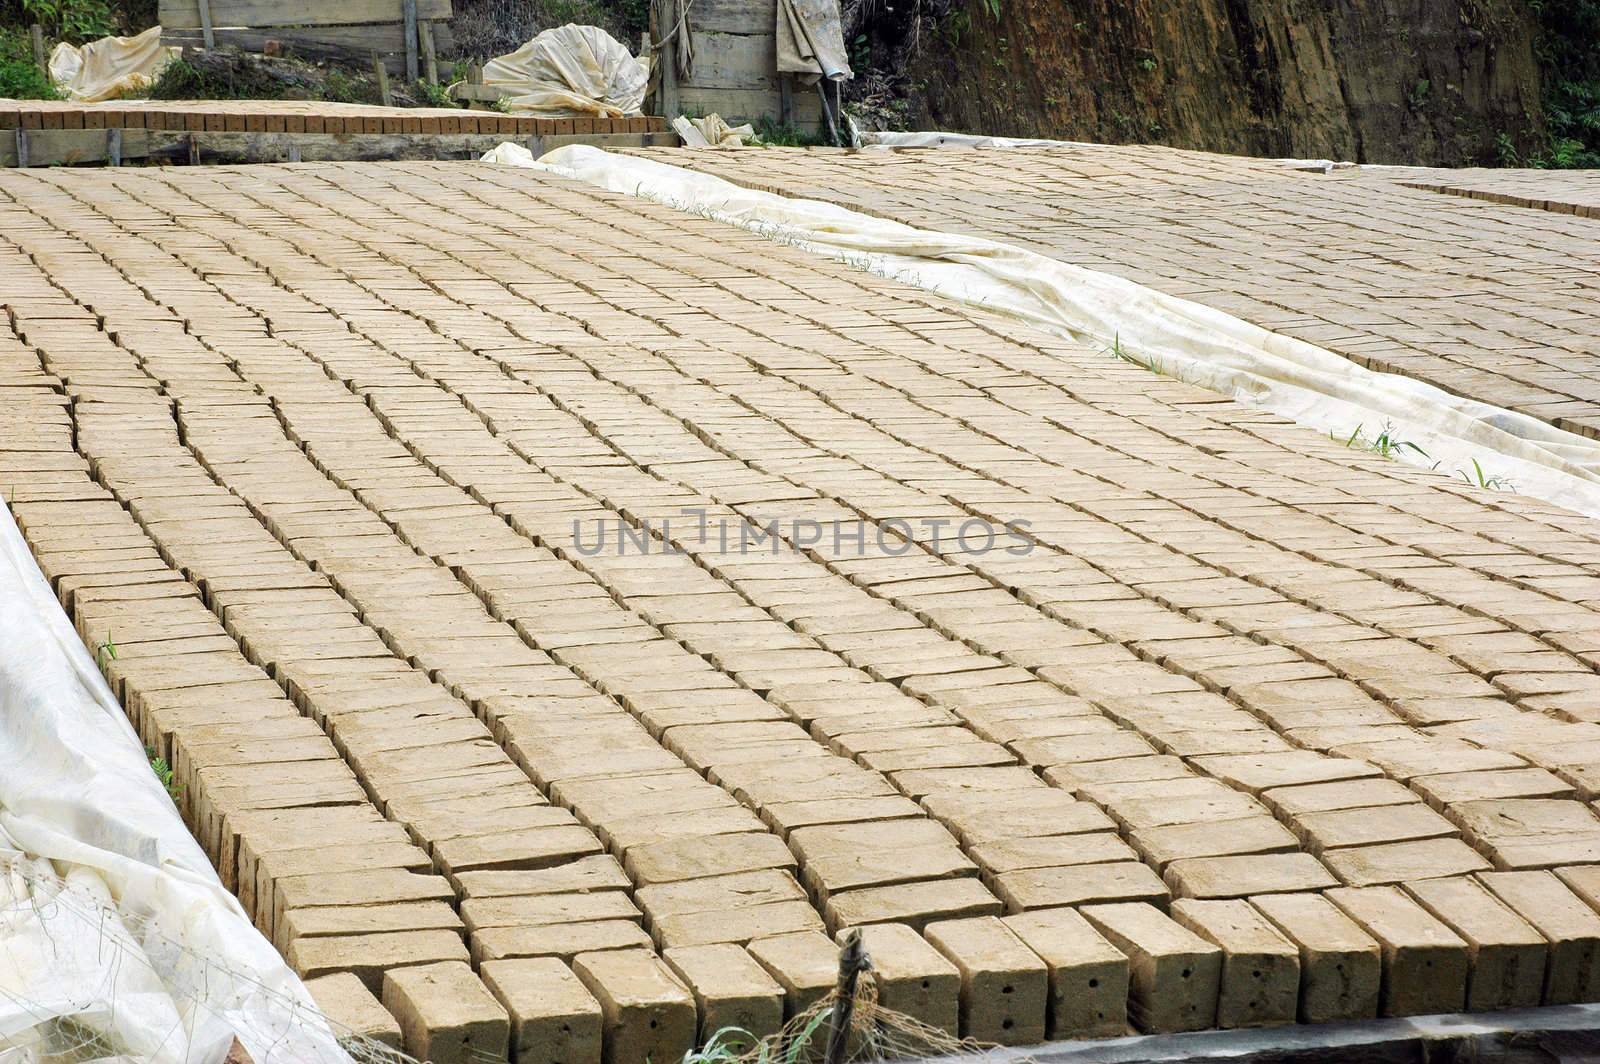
(20,76)
(164,773)
(1384,444)
(1569,55)
(786,136)
(62,20)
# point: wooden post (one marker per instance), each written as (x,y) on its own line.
(410,9)
(430,62)
(194,150)
(383,79)
(36,31)
(114,146)
(853,960)
(668,57)
(22,147)
(786,99)
(206,33)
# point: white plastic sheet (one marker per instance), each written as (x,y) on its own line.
(110,67)
(110,915)
(571,70)
(1187,340)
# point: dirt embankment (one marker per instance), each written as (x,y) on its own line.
(1403,81)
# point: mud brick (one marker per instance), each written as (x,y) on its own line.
(1175,976)
(977,818)
(1371,826)
(1011,855)
(557,940)
(1341,794)
(369,956)
(1570,926)
(1424,962)
(668,862)
(921,783)
(446,1014)
(736,925)
(1448,788)
(1398,862)
(1004,984)
(648,1014)
(530,848)
(1238,877)
(1088,975)
(1341,966)
(1507,955)
(554,1019)
(1260,968)
(1219,805)
(730,989)
(1157,767)
(345,1000)
(912,977)
(1261,772)
(534,910)
(364,919)
(719,893)
(1043,888)
(586,874)
(806,965)
(1173,842)
(784,817)
(910,903)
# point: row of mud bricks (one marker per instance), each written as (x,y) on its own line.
(429,913)
(478,827)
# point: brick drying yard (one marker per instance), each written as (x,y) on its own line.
(1261,728)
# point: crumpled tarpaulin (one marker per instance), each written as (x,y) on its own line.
(110,67)
(571,70)
(117,939)
(1190,341)
(712,131)
(811,41)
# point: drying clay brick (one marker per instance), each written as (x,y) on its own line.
(1004,984)
(557,940)
(1238,877)
(1088,975)
(1424,962)
(911,903)
(1341,966)
(1508,956)
(1566,921)
(730,989)
(369,956)
(806,965)
(446,1014)
(691,858)
(1175,976)
(912,977)
(345,999)
(554,1018)
(1044,888)
(1260,968)
(648,1013)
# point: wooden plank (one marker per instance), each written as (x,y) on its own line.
(185,14)
(36,33)
(734,61)
(383,80)
(733,16)
(671,104)
(352,44)
(65,147)
(430,60)
(206,32)
(748,105)
(409,30)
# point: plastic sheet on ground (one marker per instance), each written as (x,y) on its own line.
(571,70)
(1186,340)
(110,67)
(117,940)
